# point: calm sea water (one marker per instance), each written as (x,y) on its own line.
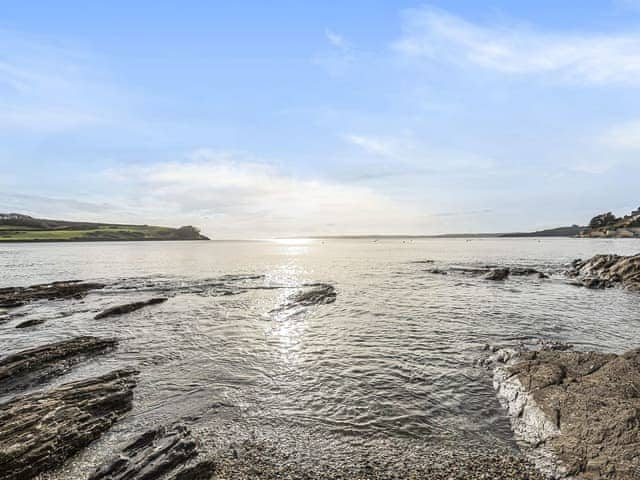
(394,359)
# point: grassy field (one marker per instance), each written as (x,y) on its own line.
(10,233)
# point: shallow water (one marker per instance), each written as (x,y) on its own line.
(392,361)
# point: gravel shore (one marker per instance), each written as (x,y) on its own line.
(260,461)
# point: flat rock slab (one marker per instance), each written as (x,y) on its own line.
(604,271)
(12,297)
(129,307)
(39,432)
(160,454)
(583,407)
(40,363)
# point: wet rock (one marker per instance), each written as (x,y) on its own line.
(11,304)
(31,323)
(437,271)
(470,270)
(40,431)
(524,271)
(40,363)
(314,294)
(497,274)
(129,307)
(154,455)
(310,294)
(12,297)
(580,410)
(604,271)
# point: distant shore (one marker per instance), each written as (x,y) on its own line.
(18,228)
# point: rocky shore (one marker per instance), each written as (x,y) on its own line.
(13,297)
(605,271)
(579,411)
(40,431)
(38,364)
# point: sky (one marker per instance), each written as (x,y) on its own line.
(255,119)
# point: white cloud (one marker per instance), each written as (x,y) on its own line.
(372,145)
(581,58)
(335,39)
(625,136)
(240,198)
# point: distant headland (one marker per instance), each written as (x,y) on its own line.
(604,225)
(15,227)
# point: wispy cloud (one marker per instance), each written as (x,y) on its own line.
(587,58)
(335,39)
(240,197)
(372,145)
(340,58)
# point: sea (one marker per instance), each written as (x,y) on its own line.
(393,364)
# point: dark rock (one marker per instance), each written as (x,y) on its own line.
(470,270)
(200,471)
(154,455)
(523,271)
(497,274)
(11,304)
(40,431)
(582,407)
(18,296)
(31,323)
(315,294)
(437,271)
(40,363)
(310,294)
(129,307)
(604,271)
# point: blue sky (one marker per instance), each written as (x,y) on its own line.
(260,119)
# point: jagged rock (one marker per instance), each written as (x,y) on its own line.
(604,271)
(154,455)
(12,297)
(37,364)
(40,431)
(31,323)
(129,307)
(579,410)
(497,274)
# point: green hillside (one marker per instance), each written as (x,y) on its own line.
(23,228)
